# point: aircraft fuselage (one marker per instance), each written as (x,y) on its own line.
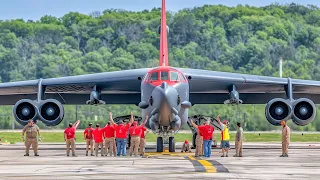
(165,92)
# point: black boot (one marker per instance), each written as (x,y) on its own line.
(26,155)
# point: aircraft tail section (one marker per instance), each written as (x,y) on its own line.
(163,59)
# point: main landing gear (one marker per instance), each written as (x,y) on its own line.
(171,143)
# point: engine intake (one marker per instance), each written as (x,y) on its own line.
(24,110)
(304,111)
(277,110)
(51,112)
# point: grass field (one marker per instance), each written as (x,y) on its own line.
(14,137)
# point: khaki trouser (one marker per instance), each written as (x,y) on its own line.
(185,148)
(109,146)
(96,146)
(199,146)
(285,145)
(142,146)
(89,142)
(72,143)
(238,147)
(134,145)
(34,143)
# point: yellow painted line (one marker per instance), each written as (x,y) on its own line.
(208,166)
(191,158)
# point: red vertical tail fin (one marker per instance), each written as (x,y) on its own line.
(163,59)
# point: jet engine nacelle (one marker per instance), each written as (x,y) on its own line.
(304,111)
(24,110)
(277,110)
(51,112)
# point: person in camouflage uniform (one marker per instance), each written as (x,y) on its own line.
(31,131)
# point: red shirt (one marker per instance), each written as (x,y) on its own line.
(88,132)
(122,130)
(206,131)
(135,131)
(70,132)
(108,131)
(143,129)
(97,134)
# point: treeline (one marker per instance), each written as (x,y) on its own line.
(234,39)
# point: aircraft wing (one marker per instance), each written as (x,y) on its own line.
(118,87)
(211,87)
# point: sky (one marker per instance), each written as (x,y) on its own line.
(35,9)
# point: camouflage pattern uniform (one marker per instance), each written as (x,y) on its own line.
(285,140)
(185,147)
(199,145)
(238,142)
(31,138)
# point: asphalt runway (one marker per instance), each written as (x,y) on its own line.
(261,161)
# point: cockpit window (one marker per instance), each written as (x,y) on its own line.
(154,76)
(174,76)
(164,75)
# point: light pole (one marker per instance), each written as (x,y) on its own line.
(280,67)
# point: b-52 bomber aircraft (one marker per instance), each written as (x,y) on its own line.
(165,93)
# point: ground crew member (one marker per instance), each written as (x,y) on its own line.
(225,136)
(206,131)
(69,135)
(121,134)
(109,136)
(88,137)
(31,130)
(285,139)
(135,133)
(186,146)
(199,145)
(98,140)
(238,141)
(144,133)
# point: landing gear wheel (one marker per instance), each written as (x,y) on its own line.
(194,141)
(172,144)
(159,144)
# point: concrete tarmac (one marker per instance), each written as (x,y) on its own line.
(261,161)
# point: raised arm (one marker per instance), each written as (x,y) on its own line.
(145,121)
(131,119)
(111,119)
(218,119)
(193,124)
(76,124)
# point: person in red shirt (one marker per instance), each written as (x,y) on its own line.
(109,136)
(135,133)
(98,139)
(121,134)
(69,137)
(206,131)
(88,137)
(144,133)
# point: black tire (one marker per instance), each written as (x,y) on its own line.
(159,144)
(172,144)
(194,141)
(128,141)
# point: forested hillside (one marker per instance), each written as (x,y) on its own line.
(234,39)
